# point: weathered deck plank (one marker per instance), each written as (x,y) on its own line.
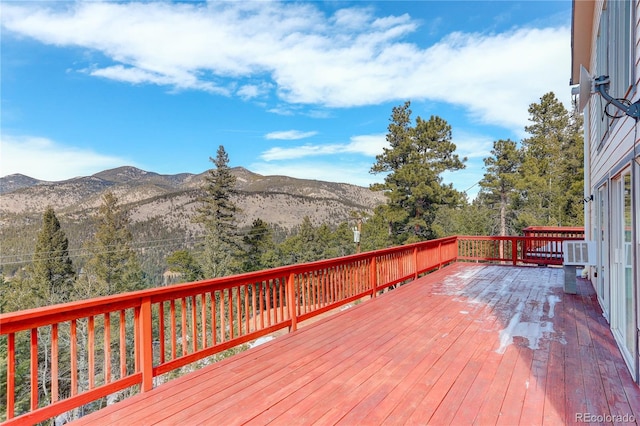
(469,344)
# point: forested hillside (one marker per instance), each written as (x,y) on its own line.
(161,208)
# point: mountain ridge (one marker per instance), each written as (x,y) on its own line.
(161,208)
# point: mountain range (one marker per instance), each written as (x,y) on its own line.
(161,207)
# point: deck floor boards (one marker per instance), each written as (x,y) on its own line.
(468,344)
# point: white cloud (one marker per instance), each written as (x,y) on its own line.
(351,58)
(43,159)
(369,145)
(474,147)
(290,135)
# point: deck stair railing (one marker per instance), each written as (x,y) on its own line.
(60,358)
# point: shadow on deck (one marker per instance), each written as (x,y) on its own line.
(467,344)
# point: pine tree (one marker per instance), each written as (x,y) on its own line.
(541,184)
(183,262)
(217,213)
(113,266)
(302,247)
(257,243)
(415,161)
(51,273)
(499,182)
(572,166)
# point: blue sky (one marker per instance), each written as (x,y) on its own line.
(295,88)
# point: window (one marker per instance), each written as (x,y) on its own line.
(614,57)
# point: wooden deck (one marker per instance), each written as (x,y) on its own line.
(467,344)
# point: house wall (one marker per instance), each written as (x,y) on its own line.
(604,160)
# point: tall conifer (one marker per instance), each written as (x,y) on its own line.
(217,213)
(415,161)
(52,274)
(113,267)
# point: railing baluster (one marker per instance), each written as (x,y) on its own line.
(194,325)
(11,371)
(203,319)
(214,331)
(262,284)
(230,313)
(222,317)
(54,362)
(174,329)
(279,283)
(161,334)
(268,303)
(291,297)
(183,324)
(34,368)
(91,351)
(123,344)
(136,339)
(239,304)
(254,311)
(107,348)
(247,312)
(74,357)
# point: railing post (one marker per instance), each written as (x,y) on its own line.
(415,263)
(514,251)
(291,298)
(146,345)
(373,277)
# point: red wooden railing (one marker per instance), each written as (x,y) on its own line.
(83,351)
(514,250)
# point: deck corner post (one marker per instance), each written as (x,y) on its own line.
(291,298)
(146,345)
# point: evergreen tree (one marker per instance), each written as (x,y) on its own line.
(377,230)
(183,262)
(471,219)
(541,184)
(51,272)
(341,242)
(498,186)
(217,213)
(258,242)
(415,161)
(572,166)
(113,266)
(302,247)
